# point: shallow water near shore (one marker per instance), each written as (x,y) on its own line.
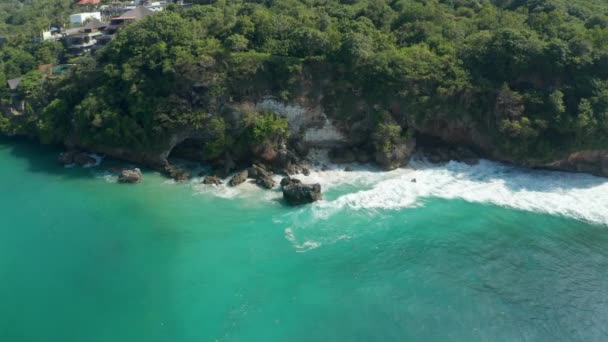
(466,253)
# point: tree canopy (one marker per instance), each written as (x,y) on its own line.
(531,74)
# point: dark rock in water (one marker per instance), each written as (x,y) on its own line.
(82,159)
(212,180)
(266,182)
(261,176)
(297,194)
(342,156)
(177,173)
(289,181)
(413,180)
(306,171)
(239,178)
(66,158)
(74,157)
(398,155)
(348,169)
(130,176)
(324,167)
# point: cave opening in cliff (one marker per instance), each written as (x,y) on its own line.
(189,149)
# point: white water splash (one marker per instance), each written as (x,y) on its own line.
(579,196)
(98,160)
(300,247)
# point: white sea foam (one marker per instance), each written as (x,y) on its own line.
(300,247)
(579,196)
(98,160)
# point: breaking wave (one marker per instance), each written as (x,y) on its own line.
(579,196)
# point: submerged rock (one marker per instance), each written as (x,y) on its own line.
(75,157)
(130,176)
(66,158)
(212,180)
(306,171)
(239,178)
(83,159)
(297,193)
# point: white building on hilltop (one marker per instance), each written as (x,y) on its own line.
(79,19)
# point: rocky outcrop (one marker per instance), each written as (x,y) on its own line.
(594,162)
(75,157)
(177,173)
(262,177)
(212,180)
(289,181)
(130,176)
(398,155)
(239,178)
(296,193)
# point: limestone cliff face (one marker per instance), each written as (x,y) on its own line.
(313,127)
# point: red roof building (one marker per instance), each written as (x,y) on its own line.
(88,2)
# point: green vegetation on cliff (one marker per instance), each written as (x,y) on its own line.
(531,75)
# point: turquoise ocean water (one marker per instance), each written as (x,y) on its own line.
(466,253)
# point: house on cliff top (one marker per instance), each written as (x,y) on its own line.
(135,14)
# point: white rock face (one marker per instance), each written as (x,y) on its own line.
(324,136)
(297,115)
(305,118)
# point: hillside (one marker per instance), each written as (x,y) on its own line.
(524,81)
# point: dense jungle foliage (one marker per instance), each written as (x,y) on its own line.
(530,74)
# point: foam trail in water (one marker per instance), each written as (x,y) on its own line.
(579,196)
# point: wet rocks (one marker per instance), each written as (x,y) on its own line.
(296,193)
(212,180)
(133,176)
(177,173)
(306,171)
(75,157)
(289,181)
(262,177)
(239,178)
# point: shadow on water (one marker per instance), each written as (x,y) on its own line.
(97,268)
(42,158)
